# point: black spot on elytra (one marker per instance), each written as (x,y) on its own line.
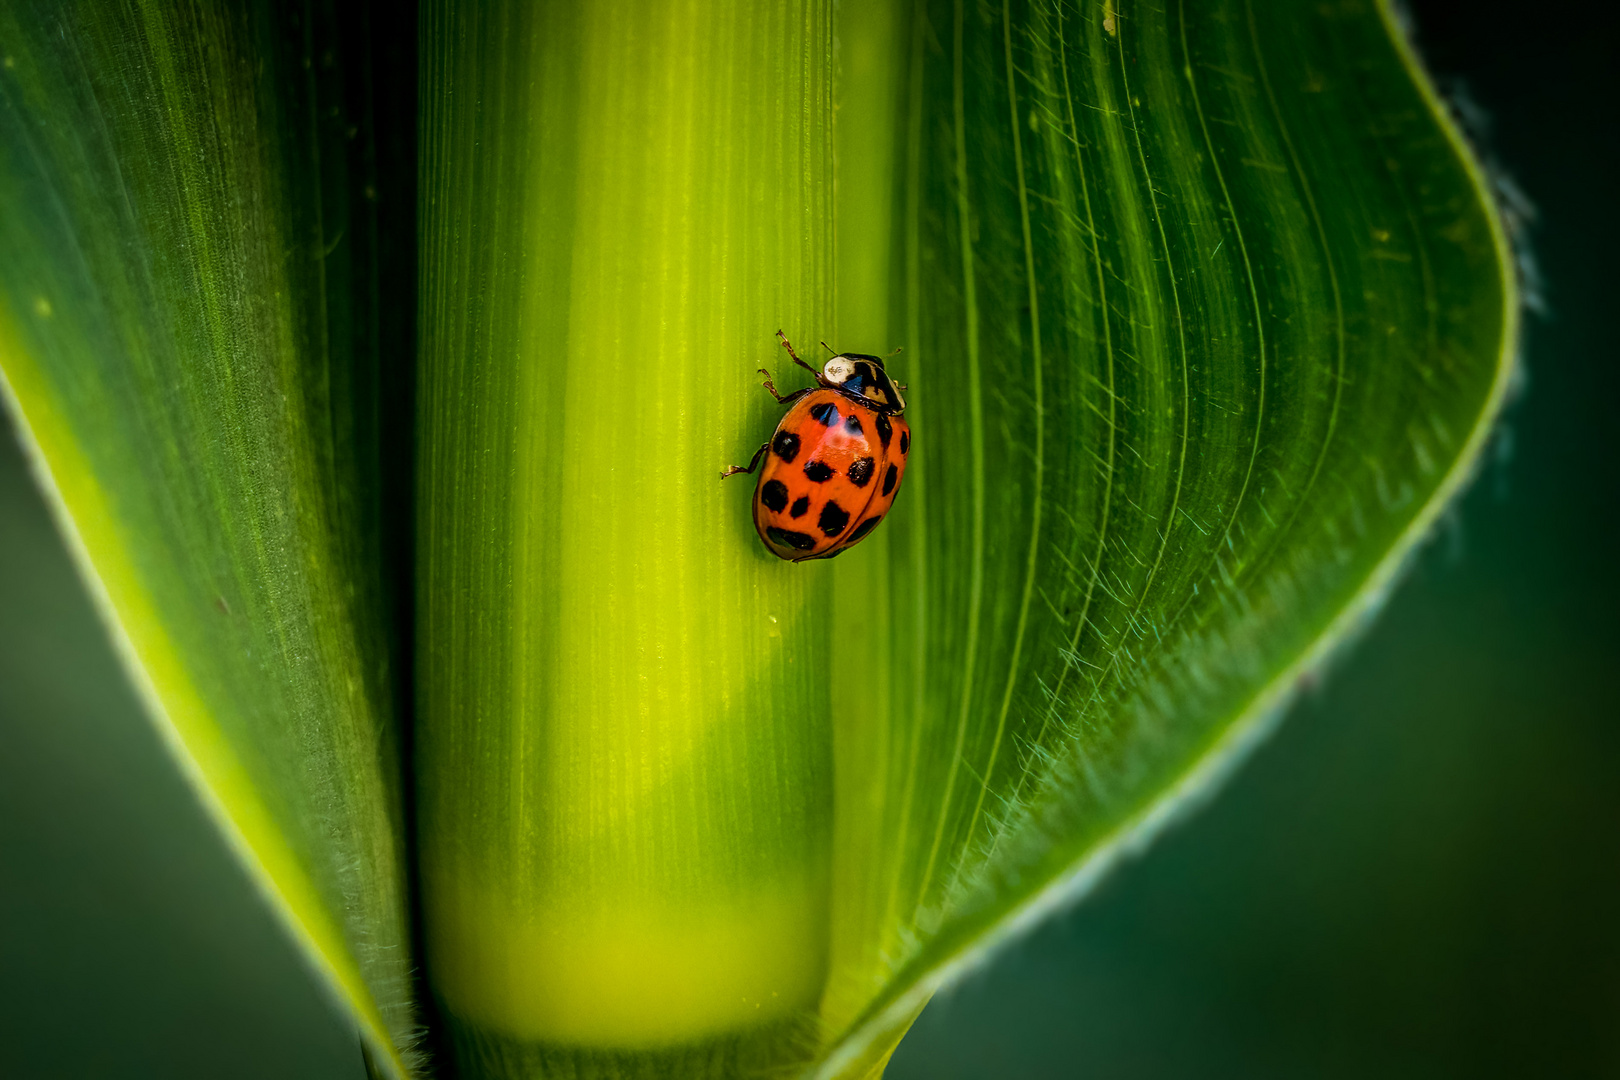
(863,528)
(819,471)
(852,424)
(798,541)
(774,495)
(905,443)
(860,473)
(786,445)
(889,479)
(801,507)
(833,518)
(826,413)
(885,430)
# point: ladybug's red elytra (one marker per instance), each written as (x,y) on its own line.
(834,465)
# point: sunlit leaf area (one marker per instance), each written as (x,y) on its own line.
(378,369)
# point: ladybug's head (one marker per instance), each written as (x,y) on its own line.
(862,377)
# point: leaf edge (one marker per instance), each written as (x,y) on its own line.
(860,1052)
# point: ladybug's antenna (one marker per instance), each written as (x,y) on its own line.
(829,348)
(897,351)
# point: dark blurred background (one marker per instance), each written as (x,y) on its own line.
(1418,876)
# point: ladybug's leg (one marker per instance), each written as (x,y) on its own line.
(752,465)
(780,400)
(789,347)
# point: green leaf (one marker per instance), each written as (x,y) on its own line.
(191,200)
(624,751)
(1207,314)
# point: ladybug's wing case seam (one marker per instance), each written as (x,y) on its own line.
(820,477)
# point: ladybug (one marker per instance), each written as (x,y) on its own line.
(835,464)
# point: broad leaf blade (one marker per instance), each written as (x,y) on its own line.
(190,342)
(1207,315)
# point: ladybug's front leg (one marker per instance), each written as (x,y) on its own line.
(770,388)
(788,345)
(752,465)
